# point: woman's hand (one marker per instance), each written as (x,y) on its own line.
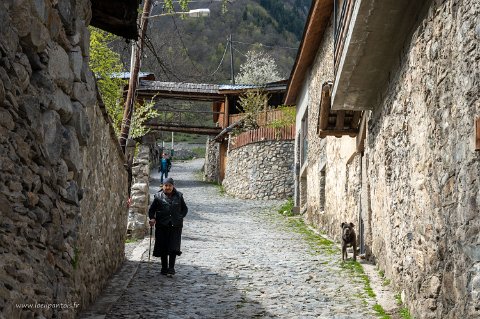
(152,222)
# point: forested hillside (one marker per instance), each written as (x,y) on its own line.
(196,49)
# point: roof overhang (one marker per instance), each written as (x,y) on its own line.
(117,16)
(201,91)
(317,22)
(376,34)
(179,90)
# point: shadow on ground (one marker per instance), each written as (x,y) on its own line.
(194,292)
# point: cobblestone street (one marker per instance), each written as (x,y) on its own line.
(241,259)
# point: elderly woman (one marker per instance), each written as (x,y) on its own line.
(167,212)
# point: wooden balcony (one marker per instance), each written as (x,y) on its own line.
(336,123)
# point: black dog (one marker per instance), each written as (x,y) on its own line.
(348,239)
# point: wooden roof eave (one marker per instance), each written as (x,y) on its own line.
(317,22)
(118,17)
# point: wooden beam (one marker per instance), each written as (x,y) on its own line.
(338,133)
(340,123)
(362,133)
(185,129)
(324,107)
(356,119)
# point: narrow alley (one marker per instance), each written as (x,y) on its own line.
(241,259)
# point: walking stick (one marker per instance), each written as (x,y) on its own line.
(150,246)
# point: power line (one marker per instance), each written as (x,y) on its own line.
(221,61)
(239,51)
(190,1)
(268,46)
(185,48)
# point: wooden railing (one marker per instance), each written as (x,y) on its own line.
(263,134)
(263,118)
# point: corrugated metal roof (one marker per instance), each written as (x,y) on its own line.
(126,75)
(179,87)
(275,85)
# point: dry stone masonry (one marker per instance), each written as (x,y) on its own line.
(137,216)
(416,187)
(260,171)
(212,162)
(62,179)
(421,157)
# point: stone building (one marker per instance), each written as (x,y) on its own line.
(63,185)
(387,100)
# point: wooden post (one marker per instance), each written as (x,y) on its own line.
(133,80)
(226,113)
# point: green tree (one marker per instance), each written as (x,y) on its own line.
(251,103)
(107,66)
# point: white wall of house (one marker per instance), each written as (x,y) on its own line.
(301,109)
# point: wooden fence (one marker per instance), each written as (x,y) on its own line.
(263,118)
(263,134)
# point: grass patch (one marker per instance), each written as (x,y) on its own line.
(386,282)
(404,313)
(219,187)
(286,209)
(380,312)
(357,269)
(199,151)
(316,242)
(131,240)
(398,299)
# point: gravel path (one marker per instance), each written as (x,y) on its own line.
(241,259)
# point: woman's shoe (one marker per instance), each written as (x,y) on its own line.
(171,271)
(164,271)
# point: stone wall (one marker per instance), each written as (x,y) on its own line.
(211,168)
(416,187)
(260,171)
(137,216)
(99,250)
(423,171)
(62,181)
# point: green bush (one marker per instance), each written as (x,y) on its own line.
(287,208)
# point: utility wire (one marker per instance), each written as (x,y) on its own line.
(165,69)
(221,61)
(238,51)
(268,46)
(186,50)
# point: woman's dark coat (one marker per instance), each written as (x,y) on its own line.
(168,213)
(168,210)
